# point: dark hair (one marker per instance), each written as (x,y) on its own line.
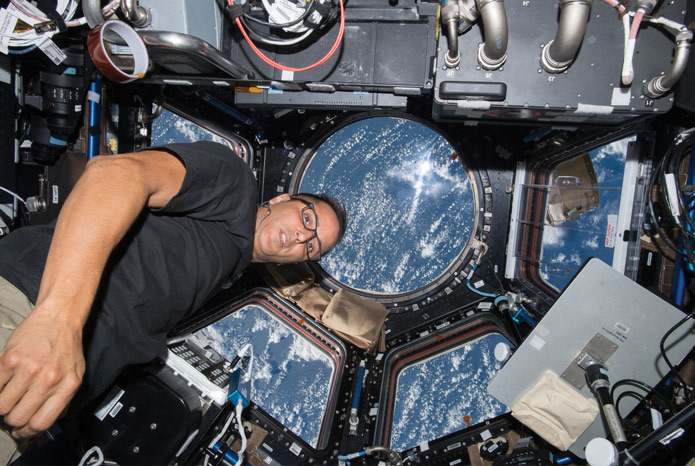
(337,206)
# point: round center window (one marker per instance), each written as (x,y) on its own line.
(411,204)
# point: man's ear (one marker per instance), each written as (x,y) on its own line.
(281,198)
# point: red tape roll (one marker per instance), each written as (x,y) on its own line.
(97,47)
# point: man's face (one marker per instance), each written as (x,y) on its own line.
(282,236)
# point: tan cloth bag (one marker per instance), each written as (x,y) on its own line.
(555,411)
(354,318)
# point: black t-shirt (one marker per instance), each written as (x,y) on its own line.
(169,263)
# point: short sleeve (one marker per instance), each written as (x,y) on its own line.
(217,186)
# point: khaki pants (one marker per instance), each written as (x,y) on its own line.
(14,308)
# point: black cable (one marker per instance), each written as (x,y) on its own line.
(657,226)
(300,18)
(688,255)
(646,387)
(671,164)
(663,351)
(674,168)
(268,39)
(641,398)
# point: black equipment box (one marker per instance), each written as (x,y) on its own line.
(387,49)
(589,92)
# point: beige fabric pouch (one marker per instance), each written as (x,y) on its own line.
(555,411)
(350,316)
(358,319)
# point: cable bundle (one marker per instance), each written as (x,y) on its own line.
(679,207)
(296,24)
(39,25)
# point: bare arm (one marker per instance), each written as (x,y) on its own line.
(42,364)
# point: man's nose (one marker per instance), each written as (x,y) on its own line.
(301,235)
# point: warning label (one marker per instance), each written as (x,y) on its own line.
(610,231)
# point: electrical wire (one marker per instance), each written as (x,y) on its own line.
(628,72)
(638,396)
(265,39)
(644,386)
(617,5)
(475,290)
(298,20)
(87,459)
(240,427)
(31,15)
(663,351)
(15,195)
(270,62)
(668,163)
(218,437)
(672,168)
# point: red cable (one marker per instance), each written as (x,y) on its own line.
(287,68)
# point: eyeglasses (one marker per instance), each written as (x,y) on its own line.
(310,221)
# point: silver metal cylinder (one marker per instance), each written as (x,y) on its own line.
(92,12)
(559,53)
(136,14)
(450,17)
(493,52)
(660,85)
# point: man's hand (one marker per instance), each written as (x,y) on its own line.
(41,368)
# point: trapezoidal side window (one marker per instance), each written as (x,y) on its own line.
(570,208)
(437,385)
(295,370)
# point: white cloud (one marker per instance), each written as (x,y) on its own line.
(554,237)
(590,242)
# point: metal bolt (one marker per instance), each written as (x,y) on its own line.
(153,426)
(136,449)
(508,189)
(132,409)
(114,432)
